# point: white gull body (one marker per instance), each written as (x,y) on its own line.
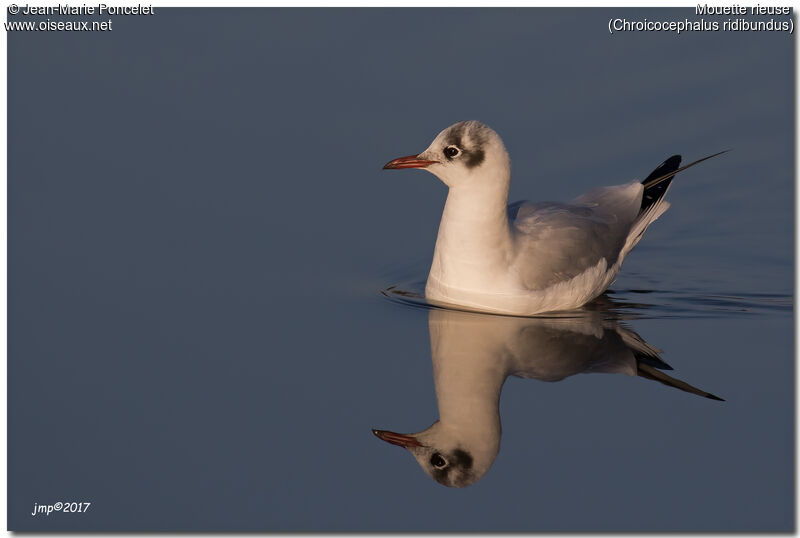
(525,258)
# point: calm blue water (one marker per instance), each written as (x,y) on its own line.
(200,233)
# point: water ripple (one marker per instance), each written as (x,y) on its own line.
(639,303)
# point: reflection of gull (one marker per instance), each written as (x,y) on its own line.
(527,258)
(473,354)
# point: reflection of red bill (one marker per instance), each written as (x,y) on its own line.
(397,438)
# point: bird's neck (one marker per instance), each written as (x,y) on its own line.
(469,371)
(474,240)
(469,397)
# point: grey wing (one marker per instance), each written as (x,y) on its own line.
(556,242)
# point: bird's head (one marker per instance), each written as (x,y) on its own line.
(446,455)
(465,152)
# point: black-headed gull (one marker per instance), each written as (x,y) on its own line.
(473,354)
(527,258)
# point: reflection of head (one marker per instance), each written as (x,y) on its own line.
(452,457)
(473,354)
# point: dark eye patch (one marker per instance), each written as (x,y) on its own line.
(462,458)
(474,157)
(458,473)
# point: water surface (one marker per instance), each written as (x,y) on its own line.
(199,234)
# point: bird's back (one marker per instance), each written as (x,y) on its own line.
(555,242)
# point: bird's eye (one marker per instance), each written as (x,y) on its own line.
(451,151)
(438,461)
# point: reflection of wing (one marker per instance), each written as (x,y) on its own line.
(648,372)
(551,349)
(644,352)
(566,239)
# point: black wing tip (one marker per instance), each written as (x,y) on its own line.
(669,165)
(653,360)
(656,184)
(648,372)
(654,187)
